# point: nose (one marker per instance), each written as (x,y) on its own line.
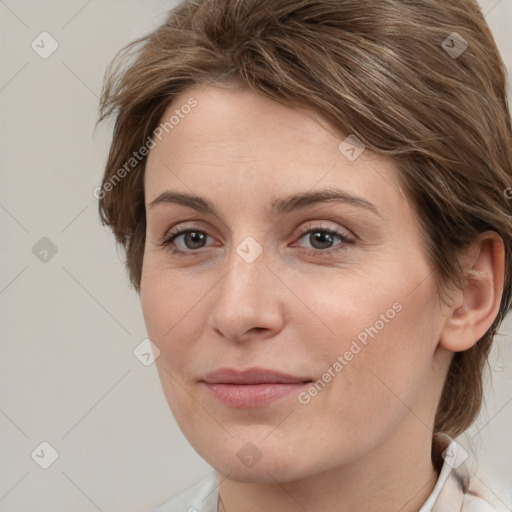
(248,300)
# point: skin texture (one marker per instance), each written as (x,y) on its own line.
(364,440)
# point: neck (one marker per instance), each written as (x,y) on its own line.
(397,475)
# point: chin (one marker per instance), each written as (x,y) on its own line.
(244,462)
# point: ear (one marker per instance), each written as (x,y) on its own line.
(476,306)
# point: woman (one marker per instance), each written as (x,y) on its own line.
(313,198)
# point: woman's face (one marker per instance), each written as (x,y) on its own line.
(272,276)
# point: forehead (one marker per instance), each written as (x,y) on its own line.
(243,123)
(233,136)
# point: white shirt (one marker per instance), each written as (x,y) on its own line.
(447,496)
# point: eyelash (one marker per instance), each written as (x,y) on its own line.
(315,252)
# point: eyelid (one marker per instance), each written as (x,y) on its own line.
(345,239)
(313,224)
(335,250)
(185,225)
(321,225)
(172,234)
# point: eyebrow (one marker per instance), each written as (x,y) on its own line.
(278,206)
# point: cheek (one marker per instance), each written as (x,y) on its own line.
(386,350)
(169,302)
(156,304)
(175,307)
(380,333)
(169,313)
(347,306)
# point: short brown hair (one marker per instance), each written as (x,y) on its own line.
(379,69)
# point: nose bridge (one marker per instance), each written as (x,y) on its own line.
(247,268)
(245,299)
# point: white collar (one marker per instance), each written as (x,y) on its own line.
(455,490)
(448,492)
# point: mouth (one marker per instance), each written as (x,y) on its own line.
(253,387)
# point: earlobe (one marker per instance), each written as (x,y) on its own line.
(476,306)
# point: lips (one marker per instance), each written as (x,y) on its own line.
(251,376)
(253,387)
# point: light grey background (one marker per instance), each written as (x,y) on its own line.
(69,326)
